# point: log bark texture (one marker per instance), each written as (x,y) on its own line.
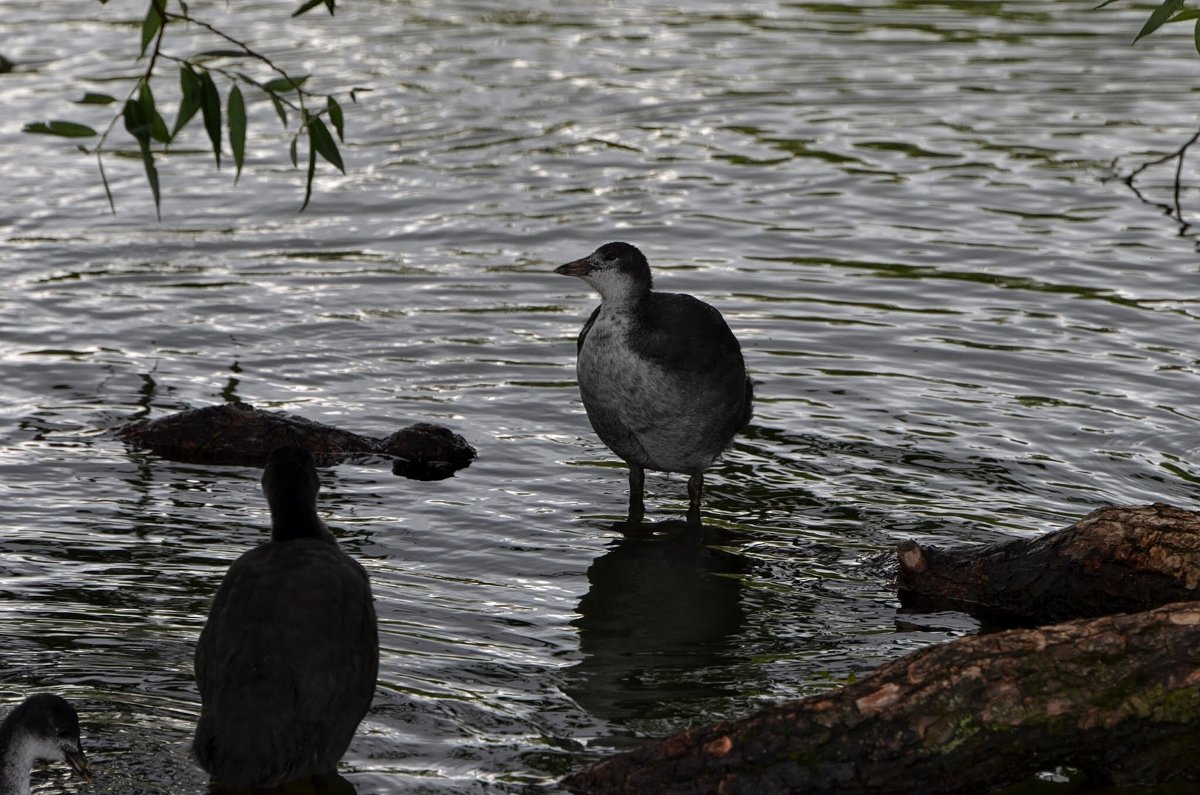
(241,435)
(1114,560)
(1117,697)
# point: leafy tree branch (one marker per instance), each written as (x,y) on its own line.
(200,94)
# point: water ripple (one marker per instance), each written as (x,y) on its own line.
(960,330)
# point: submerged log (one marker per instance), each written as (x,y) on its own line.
(1114,560)
(1116,697)
(239,434)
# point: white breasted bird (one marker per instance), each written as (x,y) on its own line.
(661,375)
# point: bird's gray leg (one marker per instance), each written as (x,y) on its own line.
(695,490)
(637,481)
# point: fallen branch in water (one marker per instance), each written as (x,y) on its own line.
(1115,697)
(1114,560)
(239,434)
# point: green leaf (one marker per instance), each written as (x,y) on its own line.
(323,142)
(210,108)
(1185,15)
(312,170)
(1102,5)
(151,25)
(138,123)
(279,109)
(104,181)
(152,178)
(311,4)
(95,99)
(237,128)
(210,54)
(191,91)
(66,129)
(280,84)
(1196,35)
(292,148)
(135,120)
(1159,17)
(335,116)
(157,127)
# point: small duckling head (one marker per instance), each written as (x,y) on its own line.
(618,271)
(48,728)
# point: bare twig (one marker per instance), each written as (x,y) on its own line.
(1176,209)
(241,45)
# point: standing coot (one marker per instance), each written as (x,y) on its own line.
(43,726)
(287,661)
(661,374)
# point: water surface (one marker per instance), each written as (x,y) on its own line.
(961,330)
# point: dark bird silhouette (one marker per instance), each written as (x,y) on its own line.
(661,375)
(42,727)
(287,662)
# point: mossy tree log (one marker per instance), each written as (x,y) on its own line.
(1114,560)
(1116,697)
(241,435)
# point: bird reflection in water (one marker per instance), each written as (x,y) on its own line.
(660,606)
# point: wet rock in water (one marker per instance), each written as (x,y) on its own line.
(239,434)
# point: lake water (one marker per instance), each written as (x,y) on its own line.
(961,330)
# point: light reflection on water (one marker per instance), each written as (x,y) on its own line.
(959,330)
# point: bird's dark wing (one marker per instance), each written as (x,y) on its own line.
(684,334)
(286,664)
(586,328)
(748,405)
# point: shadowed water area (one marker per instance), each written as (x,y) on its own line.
(959,329)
